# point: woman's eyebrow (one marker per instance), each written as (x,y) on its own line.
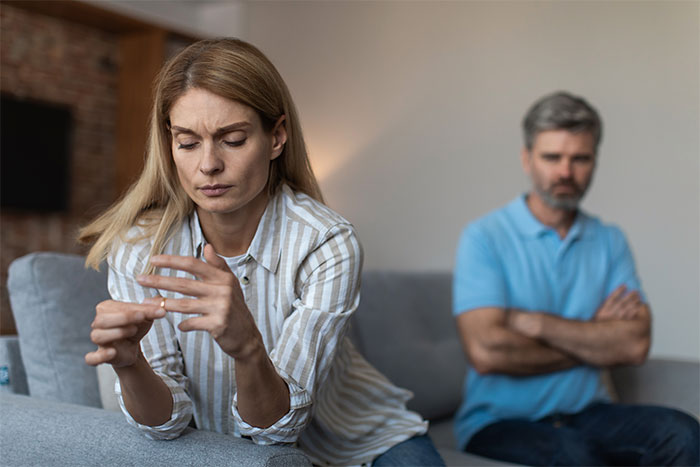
(232,127)
(181,130)
(221,131)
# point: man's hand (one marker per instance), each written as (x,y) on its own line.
(620,305)
(493,345)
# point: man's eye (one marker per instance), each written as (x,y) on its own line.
(236,143)
(186,146)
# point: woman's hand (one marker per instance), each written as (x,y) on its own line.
(118,328)
(218,301)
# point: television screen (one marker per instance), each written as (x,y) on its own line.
(35,140)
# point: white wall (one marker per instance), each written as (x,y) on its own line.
(412,110)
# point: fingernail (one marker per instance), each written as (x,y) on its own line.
(141,278)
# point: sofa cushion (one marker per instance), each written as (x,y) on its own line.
(404,327)
(41,433)
(53,300)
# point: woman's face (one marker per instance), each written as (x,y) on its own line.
(222,153)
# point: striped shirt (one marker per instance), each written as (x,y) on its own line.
(300,278)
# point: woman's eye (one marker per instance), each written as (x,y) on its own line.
(236,143)
(186,146)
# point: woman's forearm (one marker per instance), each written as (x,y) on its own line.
(263,396)
(146,396)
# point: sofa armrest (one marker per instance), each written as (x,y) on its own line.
(12,375)
(40,432)
(672,383)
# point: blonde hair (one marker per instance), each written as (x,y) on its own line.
(156,202)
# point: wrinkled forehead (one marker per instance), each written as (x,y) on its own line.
(203,111)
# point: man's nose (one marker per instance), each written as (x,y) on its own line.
(211,162)
(565,168)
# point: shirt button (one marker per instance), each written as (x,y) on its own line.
(245,280)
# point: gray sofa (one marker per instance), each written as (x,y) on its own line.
(403,327)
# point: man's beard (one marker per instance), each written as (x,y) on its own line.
(568,202)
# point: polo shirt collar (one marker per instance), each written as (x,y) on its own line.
(265,248)
(525,221)
(528,224)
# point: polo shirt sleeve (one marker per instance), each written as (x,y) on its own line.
(478,279)
(622,269)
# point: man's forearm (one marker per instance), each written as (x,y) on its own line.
(511,353)
(598,343)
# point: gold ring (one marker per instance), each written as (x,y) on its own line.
(162,304)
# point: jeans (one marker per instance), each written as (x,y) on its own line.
(602,434)
(416,451)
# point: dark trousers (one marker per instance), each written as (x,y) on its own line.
(416,451)
(602,434)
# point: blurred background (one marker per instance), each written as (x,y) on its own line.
(411,112)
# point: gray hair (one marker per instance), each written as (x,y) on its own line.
(561,111)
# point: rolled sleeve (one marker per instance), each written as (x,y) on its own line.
(179,418)
(327,293)
(287,429)
(159,345)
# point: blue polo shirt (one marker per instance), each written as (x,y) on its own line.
(508,259)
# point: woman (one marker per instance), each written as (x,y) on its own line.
(232,284)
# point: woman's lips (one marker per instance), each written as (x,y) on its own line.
(214,190)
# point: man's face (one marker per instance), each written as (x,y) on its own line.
(561,165)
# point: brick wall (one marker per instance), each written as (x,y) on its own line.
(57,61)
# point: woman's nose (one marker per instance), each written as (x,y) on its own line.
(211,163)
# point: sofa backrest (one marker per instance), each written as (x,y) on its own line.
(53,300)
(404,327)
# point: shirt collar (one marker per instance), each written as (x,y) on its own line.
(524,220)
(265,247)
(528,224)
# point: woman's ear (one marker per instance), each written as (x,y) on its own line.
(279,137)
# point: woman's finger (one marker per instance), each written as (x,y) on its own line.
(196,267)
(105,336)
(214,259)
(101,355)
(114,320)
(199,323)
(113,306)
(189,306)
(191,287)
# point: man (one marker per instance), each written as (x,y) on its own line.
(545,297)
